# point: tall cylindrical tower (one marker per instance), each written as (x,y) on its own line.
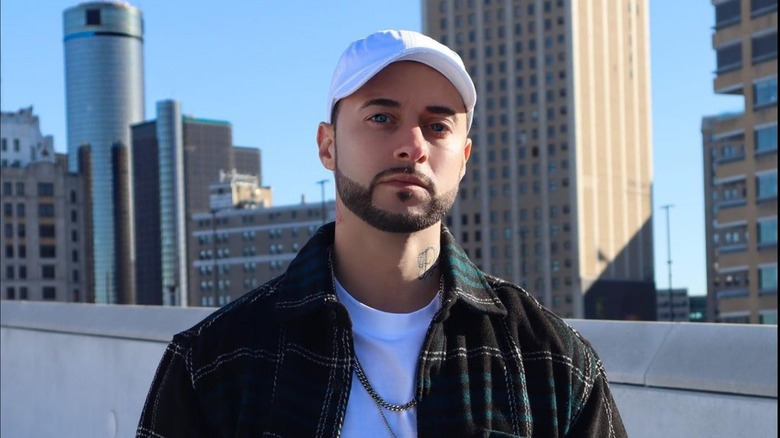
(105,95)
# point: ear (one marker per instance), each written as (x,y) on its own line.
(466,156)
(326,142)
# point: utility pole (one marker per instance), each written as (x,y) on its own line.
(322,186)
(669,255)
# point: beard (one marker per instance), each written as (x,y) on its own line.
(359,200)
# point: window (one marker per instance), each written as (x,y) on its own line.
(767,232)
(45,189)
(22,251)
(20,189)
(9,251)
(20,211)
(49,293)
(7,186)
(45,210)
(727,13)
(22,272)
(16,145)
(48,251)
(729,58)
(8,209)
(48,272)
(766,139)
(8,230)
(767,278)
(93,17)
(765,92)
(766,186)
(761,7)
(23,293)
(10,292)
(10,273)
(46,231)
(764,47)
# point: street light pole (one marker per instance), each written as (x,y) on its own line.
(669,255)
(322,186)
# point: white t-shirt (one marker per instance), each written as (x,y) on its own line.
(388,346)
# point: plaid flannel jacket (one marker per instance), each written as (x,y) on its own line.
(279,362)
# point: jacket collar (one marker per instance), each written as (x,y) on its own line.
(307,286)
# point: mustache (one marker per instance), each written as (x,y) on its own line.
(424,179)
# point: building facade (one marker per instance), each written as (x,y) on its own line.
(44,253)
(557,195)
(235,250)
(673,305)
(175,160)
(104,86)
(21,141)
(740,167)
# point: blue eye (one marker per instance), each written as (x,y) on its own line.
(438,127)
(380,118)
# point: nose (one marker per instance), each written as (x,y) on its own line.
(412,145)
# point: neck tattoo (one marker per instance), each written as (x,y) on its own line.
(381,403)
(426,263)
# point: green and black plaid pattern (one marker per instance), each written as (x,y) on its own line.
(278,362)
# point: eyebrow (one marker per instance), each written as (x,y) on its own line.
(435,109)
(381,102)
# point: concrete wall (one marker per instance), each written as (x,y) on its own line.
(84,370)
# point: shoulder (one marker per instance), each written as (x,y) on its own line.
(550,349)
(235,325)
(540,332)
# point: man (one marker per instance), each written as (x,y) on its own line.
(381,326)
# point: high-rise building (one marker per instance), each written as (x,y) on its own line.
(740,167)
(171,183)
(557,196)
(105,95)
(44,252)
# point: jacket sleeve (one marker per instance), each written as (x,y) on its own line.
(172,408)
(599,416)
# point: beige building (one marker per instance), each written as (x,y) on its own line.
(243,242)
(740,166)
(44,254)
(558,192)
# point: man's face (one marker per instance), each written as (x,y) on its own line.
(399,148)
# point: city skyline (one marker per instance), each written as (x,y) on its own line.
(274,95)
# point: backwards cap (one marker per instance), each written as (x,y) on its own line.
(364,58)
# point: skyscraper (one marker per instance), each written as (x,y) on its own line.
(171,183)
(105,95)
(740,167)
(558,192)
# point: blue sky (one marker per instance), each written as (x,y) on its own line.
(265,66)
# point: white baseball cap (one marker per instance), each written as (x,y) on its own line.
(364,58)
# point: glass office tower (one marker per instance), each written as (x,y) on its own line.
(105,95)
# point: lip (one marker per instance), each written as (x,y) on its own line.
(404,180)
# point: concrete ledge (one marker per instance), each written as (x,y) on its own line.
(719,358)
(147,323)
